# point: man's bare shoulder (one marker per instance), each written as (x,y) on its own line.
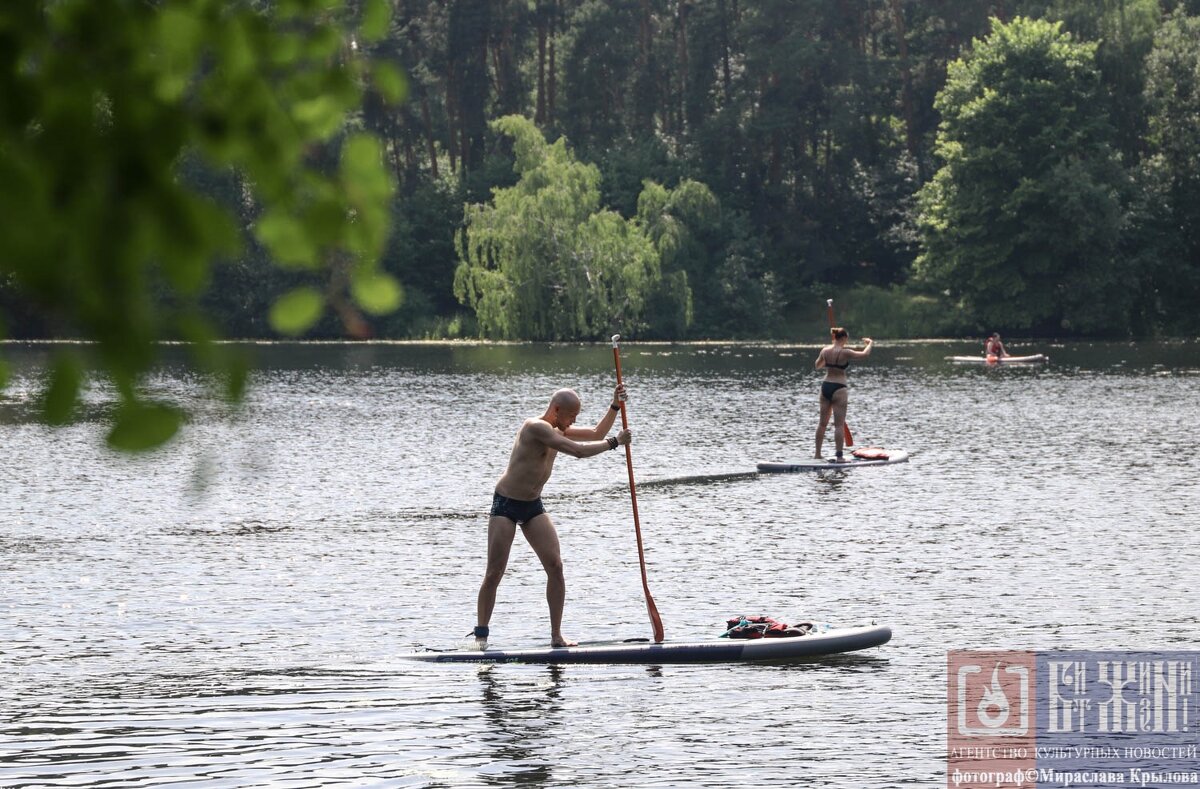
(536,429)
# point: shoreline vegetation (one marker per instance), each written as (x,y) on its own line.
(560,171)
(866,311)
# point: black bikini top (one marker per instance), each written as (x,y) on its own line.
(836,366)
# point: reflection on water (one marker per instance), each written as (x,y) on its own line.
(229,610)
(521,712)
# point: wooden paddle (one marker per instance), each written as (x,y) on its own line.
(655,620)
(845,425)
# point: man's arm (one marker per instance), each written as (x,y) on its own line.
(604,425)
(547,435)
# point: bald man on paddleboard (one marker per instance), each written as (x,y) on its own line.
(517,500)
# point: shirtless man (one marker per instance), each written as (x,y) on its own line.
(517,500)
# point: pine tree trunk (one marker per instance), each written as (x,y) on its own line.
(539,115)
(430,140)
(906,99)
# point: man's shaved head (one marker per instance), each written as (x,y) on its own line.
(564,407)
(567,399)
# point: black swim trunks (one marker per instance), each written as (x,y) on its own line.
(828,388)
(518,511)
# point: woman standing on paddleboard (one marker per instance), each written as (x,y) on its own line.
(835,358)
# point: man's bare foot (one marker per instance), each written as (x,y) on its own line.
(563,642)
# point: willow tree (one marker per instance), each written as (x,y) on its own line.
(543,260)
(1022,221)
(676,221)
(101,102)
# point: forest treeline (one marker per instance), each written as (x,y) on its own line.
(681,169)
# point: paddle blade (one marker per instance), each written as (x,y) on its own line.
(655,619)
(846,434)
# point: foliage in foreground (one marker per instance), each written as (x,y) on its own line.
(102,98)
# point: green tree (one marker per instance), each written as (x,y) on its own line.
(543,260)
(1167,217)
(1124,32)
(1022,221)
(675,219)
(102,98)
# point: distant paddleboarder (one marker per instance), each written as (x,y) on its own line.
(993,348)
(517,500)
(834,359)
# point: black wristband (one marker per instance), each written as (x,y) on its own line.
(615,407)
(612,442)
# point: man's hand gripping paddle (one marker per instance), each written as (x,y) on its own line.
(655,620)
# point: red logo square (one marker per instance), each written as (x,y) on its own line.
(991,718)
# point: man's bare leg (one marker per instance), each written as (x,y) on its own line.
(544,540)
(500,537)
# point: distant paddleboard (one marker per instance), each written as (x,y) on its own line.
(832,641)
(865,456)
(1037,357)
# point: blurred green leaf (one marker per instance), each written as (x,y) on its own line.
(321,116)
(158,132)
(237,53)
(362,164)
(66,375)
(297,310)
(201,336)
(180,35)
(286,239)
(367,183)
(377,17)
(377,292)
(325,218)
(140,426)
(287,49)
(325,41)
(390,82)
(237,374)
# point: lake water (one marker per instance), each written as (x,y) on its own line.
(228,611)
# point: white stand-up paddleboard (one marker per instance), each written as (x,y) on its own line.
(832,641)
(874,456)
(1033,359)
